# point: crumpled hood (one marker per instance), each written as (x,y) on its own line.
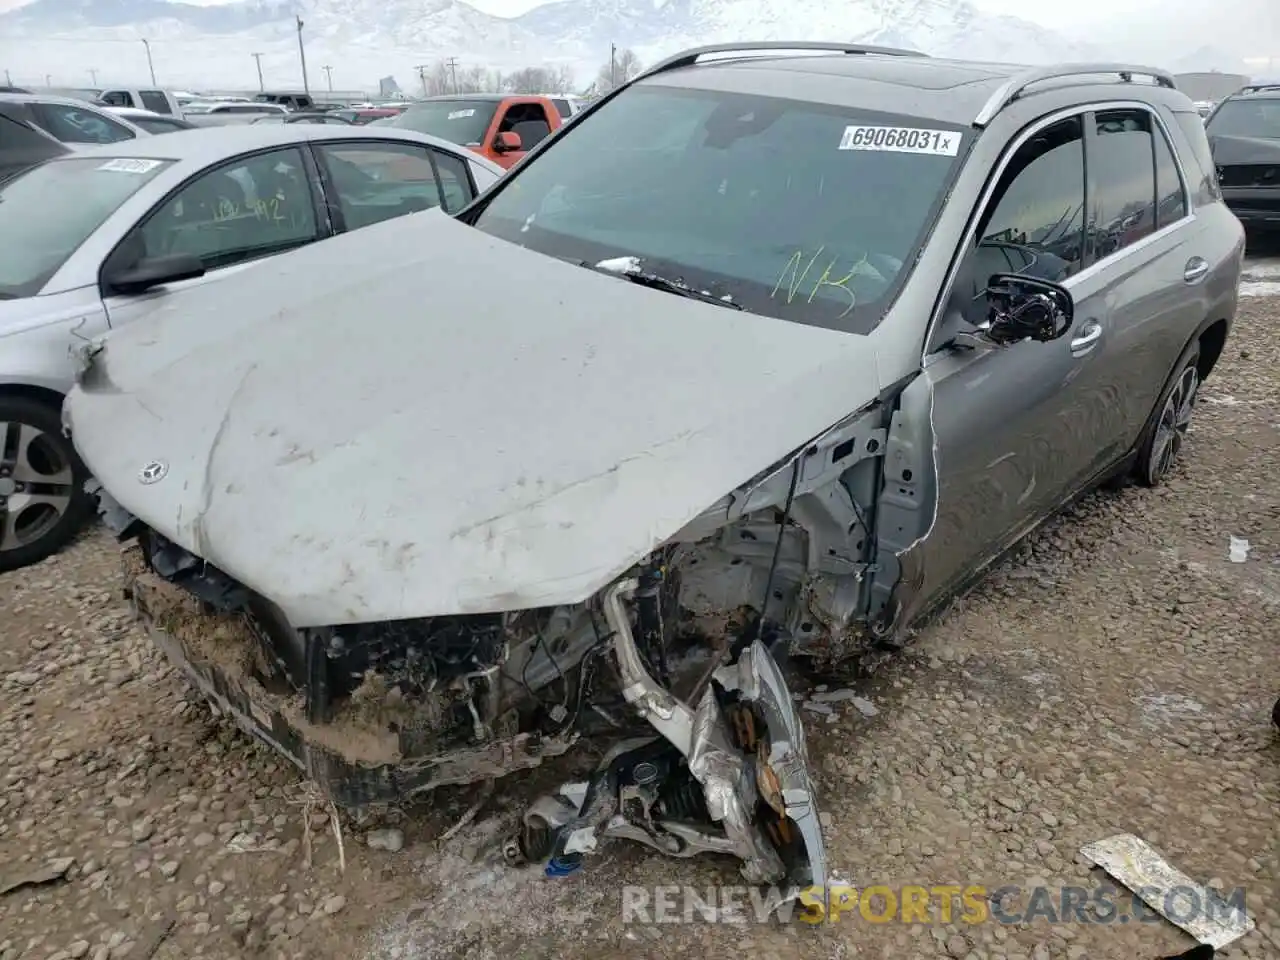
(1230,151)
(418,419)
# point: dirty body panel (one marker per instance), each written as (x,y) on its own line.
(444,543)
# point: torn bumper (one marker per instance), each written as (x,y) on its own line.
(728,777)
(327,755)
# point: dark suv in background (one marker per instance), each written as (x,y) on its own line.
(1244,135)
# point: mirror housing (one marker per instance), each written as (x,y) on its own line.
(507,142)
(1020,308)
(153,272)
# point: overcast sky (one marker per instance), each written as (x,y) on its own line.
(1246,28)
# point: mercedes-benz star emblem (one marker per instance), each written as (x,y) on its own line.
(153,472)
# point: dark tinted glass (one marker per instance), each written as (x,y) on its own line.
(1121,162)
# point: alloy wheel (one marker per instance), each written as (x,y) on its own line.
(36,484)
(1175,419)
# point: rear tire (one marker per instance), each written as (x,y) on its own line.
(43,503)
(1166,431)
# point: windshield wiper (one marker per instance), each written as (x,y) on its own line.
(632,272)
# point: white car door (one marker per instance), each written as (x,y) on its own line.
(232,218)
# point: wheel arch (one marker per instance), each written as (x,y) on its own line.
(1213,339)
(33,391)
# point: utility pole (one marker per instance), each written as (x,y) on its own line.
(422,75)
(328,72)
(613,51)
(150,65)
(257,59)
(8,80)
(302,56)
(452,63)
(93,75)
(48,79)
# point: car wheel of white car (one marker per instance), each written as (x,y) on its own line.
(42,498)
(1167,432)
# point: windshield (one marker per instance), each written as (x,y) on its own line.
(800,211)
(1249,117)
(47,212)
(458,121)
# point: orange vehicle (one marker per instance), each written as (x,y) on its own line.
(498,126)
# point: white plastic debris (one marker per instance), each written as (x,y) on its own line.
(1238,552)
(620,265)
(1186,904)
(861,704)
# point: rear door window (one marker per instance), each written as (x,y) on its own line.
(155,101)
(118,98)
(73,125)
(1122,174)
(373,181)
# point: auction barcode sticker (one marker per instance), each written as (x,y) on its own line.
(129,165)
(945,143)
(459,114)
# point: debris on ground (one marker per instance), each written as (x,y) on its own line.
(1203,914)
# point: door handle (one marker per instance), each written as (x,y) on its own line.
(1088,338)
(1196,270)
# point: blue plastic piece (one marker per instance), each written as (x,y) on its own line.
(562,866)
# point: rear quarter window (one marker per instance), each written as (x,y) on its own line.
(1203,173)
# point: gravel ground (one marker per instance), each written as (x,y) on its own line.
(1115,675)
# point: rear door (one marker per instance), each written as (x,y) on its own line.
(1148,267)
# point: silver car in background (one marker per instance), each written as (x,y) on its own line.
(101,236)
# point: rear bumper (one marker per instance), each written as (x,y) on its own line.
(330,754)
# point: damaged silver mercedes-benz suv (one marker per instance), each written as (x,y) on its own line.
(758,360)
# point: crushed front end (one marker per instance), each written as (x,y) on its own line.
(709,751)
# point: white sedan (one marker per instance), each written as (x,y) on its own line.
(99,237)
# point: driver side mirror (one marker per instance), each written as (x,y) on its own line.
(1020,308)
(507,142)
(153,272)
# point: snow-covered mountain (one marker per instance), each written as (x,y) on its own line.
(364,39)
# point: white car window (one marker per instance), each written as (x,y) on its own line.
(75,125)
(240,211)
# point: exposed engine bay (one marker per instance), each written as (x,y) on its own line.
(677,664)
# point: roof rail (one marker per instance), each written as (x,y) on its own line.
(1258,87)
(1014,87)
(689,57)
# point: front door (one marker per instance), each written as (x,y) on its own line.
(231,217)
(1014,427)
